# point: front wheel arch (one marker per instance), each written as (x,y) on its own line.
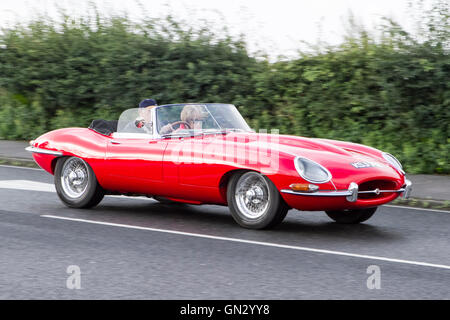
(225,179)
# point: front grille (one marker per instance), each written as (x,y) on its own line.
(376,185)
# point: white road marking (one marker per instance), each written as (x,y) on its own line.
(27,185)
(16,167)
(31,185)
(267,244)
(414,208)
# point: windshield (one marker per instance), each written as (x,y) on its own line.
(187,118)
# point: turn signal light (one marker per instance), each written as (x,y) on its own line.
(304,187)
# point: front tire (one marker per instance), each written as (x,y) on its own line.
(76,184)
(352,216)
(254,201)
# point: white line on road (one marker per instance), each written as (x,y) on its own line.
(414,208)
(267,244)
(27,185)
(16,167)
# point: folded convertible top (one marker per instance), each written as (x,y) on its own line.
(105,127)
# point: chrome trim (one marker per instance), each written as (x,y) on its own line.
(340,193)
(407,188)
(155,133)
(352,192)
(44,151)
(329,176)
(386,157)
(378,191)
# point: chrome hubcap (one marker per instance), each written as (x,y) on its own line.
(252,195)
(74,177)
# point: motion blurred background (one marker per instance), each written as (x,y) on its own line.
(310,68)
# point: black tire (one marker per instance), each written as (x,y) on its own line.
(353,216)
(274,213)
(93,192)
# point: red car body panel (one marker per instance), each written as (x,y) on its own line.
(156,167)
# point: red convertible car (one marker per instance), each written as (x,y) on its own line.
(207,154)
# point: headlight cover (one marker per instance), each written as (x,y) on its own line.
(311,171)
(393,161)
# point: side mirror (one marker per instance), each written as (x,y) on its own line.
(146,126)
(139,123)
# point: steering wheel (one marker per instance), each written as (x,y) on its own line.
(168,128)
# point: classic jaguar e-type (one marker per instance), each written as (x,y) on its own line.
(205,153)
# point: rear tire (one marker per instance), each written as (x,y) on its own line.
(76,184)
(254,201)
(352,216)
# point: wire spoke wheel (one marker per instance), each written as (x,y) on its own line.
(76,183)
(75,177)
(254,201)
(252,195)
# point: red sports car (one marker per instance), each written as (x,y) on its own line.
(205,153)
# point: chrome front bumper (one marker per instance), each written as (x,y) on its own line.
(352,192)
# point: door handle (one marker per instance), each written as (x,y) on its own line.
(115,142)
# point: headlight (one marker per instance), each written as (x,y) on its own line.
(311,171)
(393,161)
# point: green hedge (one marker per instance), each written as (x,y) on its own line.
(394,100)
(391,93)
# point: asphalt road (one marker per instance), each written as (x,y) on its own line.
(137,248)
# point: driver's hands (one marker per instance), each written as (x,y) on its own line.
(167,129)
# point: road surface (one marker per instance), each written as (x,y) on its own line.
(137,248)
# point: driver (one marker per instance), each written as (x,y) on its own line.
(142,124)
(191,117)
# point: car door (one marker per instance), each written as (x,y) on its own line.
(188,174)
(135,163)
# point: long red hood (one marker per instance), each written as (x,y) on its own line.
(337,156)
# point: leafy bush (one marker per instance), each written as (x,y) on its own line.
(391,92)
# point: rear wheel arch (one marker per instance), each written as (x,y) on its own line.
(54,162)
(92,194)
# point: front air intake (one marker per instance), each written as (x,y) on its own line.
(376,189)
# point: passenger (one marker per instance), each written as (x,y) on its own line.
(143,123)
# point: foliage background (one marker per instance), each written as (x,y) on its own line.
(390,91)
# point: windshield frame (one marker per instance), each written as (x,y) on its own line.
(220,130)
